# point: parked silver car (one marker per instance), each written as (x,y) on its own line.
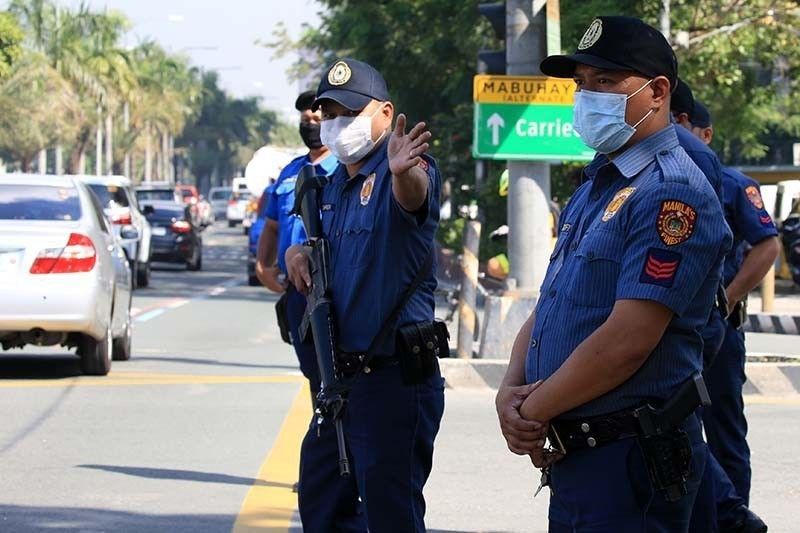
(121,208)
(64,278)
(218,196)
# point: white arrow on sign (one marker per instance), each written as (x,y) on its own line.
(496,122)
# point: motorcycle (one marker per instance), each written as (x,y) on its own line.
(790,237)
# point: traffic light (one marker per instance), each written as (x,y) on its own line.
(493,61)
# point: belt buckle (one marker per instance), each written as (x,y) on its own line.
(556,444)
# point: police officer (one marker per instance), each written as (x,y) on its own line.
(380,211)
(282,230)
(724,421)
(629,287)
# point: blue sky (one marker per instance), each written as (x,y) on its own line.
(221,34)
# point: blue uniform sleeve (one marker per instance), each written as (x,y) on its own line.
(431,206)
(752,221)
(273,204)
(675,239)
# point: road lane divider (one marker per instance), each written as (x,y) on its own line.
(271,502)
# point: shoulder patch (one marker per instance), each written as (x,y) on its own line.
(660,267)
(617,202)
(754,196)
(675,222)
(766,220)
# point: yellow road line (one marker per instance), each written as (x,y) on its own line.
(144,379)
(270,503)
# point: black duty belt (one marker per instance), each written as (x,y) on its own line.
(349,362)
(591,432)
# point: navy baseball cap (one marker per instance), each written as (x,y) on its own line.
(682,100)
(618,43)
(701,117)
(351,83)
(305,100)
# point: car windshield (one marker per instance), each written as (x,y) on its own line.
(156,194)
(39,202)
(186,193)
(240,196)
(110,195)
(220,195)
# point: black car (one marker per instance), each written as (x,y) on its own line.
(176,238)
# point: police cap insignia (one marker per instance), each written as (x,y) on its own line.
(614,205)
(660,267)
(592,34)
(675,222)
(339,74)
(754,196)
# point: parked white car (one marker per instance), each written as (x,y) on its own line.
(121,208)
(64,278)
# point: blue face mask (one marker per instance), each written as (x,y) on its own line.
(599,118)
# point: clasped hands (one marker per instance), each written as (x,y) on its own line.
(524,437)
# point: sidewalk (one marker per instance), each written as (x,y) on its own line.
(783,319)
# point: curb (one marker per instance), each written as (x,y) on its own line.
(769,323)
(763,379)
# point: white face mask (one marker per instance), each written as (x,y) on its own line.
(349,138)
(599,118)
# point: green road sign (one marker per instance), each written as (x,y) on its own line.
(522,131)
(528,118)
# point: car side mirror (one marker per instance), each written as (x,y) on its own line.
(148,210)
(129,232)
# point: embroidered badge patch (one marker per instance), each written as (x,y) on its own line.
(616,202)
(766,220)
(592,34)
(339,74)
(367,188)
(754,196)
(675,222)
(660,267)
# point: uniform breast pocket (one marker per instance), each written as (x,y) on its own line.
(596,270)
(356,247)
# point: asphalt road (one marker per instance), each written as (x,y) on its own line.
(199,431)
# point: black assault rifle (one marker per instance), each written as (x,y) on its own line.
(318,316)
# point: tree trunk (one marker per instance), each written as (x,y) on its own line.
(26,163)
(165,155)
(126,124)
(148,153)
(81,163)
(98,164)
(42,165)
(59,159)
(77,156)
(109,144)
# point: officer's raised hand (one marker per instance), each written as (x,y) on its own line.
(410,183)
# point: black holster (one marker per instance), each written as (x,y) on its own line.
(283,318)
(418,347)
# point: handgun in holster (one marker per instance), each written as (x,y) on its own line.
(667,448)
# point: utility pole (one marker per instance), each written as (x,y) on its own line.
(666,26)
(529,182)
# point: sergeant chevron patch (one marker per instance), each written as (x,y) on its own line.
(660,267)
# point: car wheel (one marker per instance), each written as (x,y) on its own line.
(96,354)
(246,231)
(134,274)
(253,281)
(231,224)
(143,275)
(121,347)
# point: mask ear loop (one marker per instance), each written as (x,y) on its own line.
(640,89)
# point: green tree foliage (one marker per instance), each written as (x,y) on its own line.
(10,43)
(225,133)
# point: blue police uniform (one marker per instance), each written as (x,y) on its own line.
(377,248)
(290,232)
(724,421)
(646,226)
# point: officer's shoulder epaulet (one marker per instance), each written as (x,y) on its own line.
(677,167)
